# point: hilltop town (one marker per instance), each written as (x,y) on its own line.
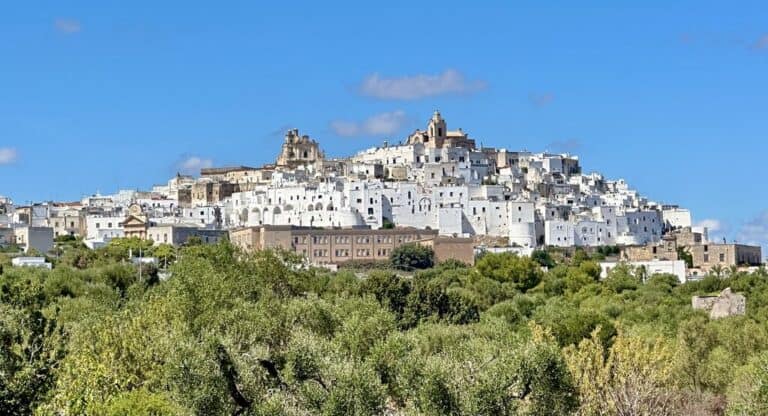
(437,187)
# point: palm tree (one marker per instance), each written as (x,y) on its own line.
(717,270)
(732,270)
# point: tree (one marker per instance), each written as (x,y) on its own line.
(695,341)
(139,402)
(543,258)
(412,256)
(523,272)
(684,255)
(748,394)
(387,224)
(389,289)
(122,248)
(634,377)
(31,346)
(355,392)
(165,253)
(717,270)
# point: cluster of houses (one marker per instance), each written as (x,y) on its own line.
(436,187)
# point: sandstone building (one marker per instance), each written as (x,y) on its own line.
(299,150)
(335,246)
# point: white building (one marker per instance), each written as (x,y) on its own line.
(103,227)
(676,217)
(674,267)
(30,262)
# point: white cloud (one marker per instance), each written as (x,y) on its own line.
(8,155)
(414,87)
(377,125)
(565,146)
(762,42)
(541,99)
(711,224)
(754,231)
(67,26)
(193,164)
(716,229)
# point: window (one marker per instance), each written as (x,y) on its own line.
(722,257)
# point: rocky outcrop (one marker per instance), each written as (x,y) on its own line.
(726,304)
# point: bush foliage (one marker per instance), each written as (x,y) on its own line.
(262,334)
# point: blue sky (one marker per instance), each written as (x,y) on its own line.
(672,96)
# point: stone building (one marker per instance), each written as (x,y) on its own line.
(334,246)
(664,250)
(437,135)
(299,150)
(207,191)
(705,256)
(455,248)
(67,220)
(687,236)
(184,197)
(136,223)
(238,174)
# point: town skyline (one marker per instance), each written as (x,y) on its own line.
(677,113)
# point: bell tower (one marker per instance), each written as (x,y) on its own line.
(437,130)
